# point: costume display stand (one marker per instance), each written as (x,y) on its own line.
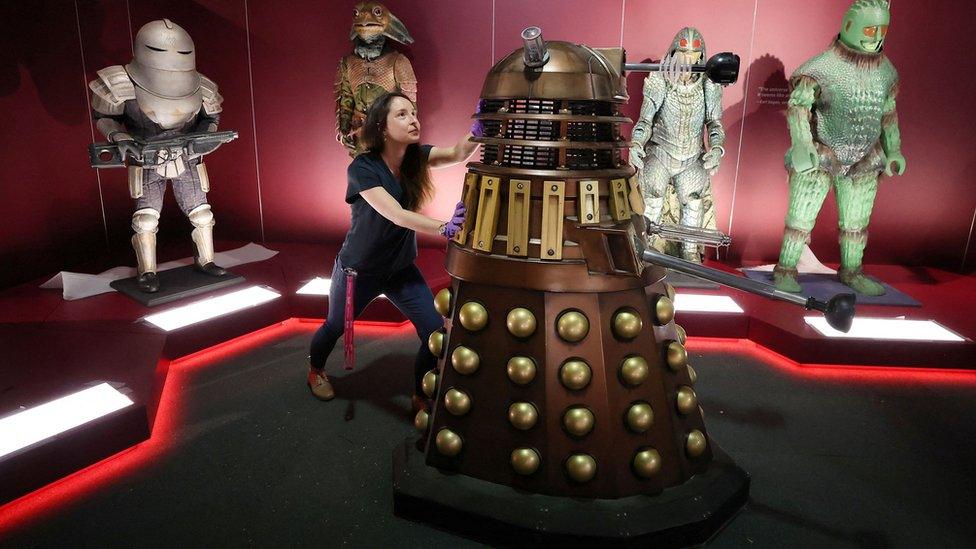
(176,284)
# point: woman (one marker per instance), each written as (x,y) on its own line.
(387,185)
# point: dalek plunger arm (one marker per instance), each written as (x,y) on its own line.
(839,310)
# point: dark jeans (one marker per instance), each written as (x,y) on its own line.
(405,288)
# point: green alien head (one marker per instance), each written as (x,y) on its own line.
(865,25)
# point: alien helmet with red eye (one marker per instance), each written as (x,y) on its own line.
(865,26)
(688,39)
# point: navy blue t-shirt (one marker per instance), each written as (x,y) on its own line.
(374,245)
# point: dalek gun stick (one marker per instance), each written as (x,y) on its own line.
(693,235)
(839,310)
(109,155)
(721,68)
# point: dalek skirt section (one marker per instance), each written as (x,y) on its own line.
(561,370)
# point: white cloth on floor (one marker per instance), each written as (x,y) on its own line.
(81,285)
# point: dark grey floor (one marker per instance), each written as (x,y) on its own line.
(257,461)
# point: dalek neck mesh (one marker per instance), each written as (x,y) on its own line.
(551,134)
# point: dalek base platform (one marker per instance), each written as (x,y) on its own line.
(493,513)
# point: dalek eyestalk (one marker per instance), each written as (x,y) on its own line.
(535,54)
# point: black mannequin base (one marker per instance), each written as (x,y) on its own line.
(175,284)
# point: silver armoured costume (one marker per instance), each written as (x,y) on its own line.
(668,138)
(159,94)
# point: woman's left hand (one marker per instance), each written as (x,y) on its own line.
(452,227)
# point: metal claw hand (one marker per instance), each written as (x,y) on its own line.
(712,159)
(686,234)
(636,158)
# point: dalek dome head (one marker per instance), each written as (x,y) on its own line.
(557,70)
(554,107)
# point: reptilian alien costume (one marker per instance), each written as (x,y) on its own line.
(372,70)
(667,141)
(844,132)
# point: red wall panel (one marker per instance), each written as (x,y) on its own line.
(106,37)
(969,262)
(451,55)
(51,210)
(286,174)
(924,216)
(295,54)
(594,23)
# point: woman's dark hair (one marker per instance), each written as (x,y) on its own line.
(414,172)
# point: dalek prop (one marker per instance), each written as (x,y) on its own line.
(564,404)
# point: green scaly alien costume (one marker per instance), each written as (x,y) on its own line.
(844,132)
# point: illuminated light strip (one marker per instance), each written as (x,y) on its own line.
(878,374)
(38,504)
(706,303)
(213,307)
(386,324)
(317,286)
(57,416)
(887,329)
(321,286)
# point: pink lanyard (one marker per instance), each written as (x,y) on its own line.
(348,341)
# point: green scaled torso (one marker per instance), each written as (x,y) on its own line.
(848,113)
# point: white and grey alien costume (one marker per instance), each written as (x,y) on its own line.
(668,140)
(160,94)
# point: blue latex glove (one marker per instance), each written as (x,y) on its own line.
(452,227)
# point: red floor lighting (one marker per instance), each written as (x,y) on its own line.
(39,504)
